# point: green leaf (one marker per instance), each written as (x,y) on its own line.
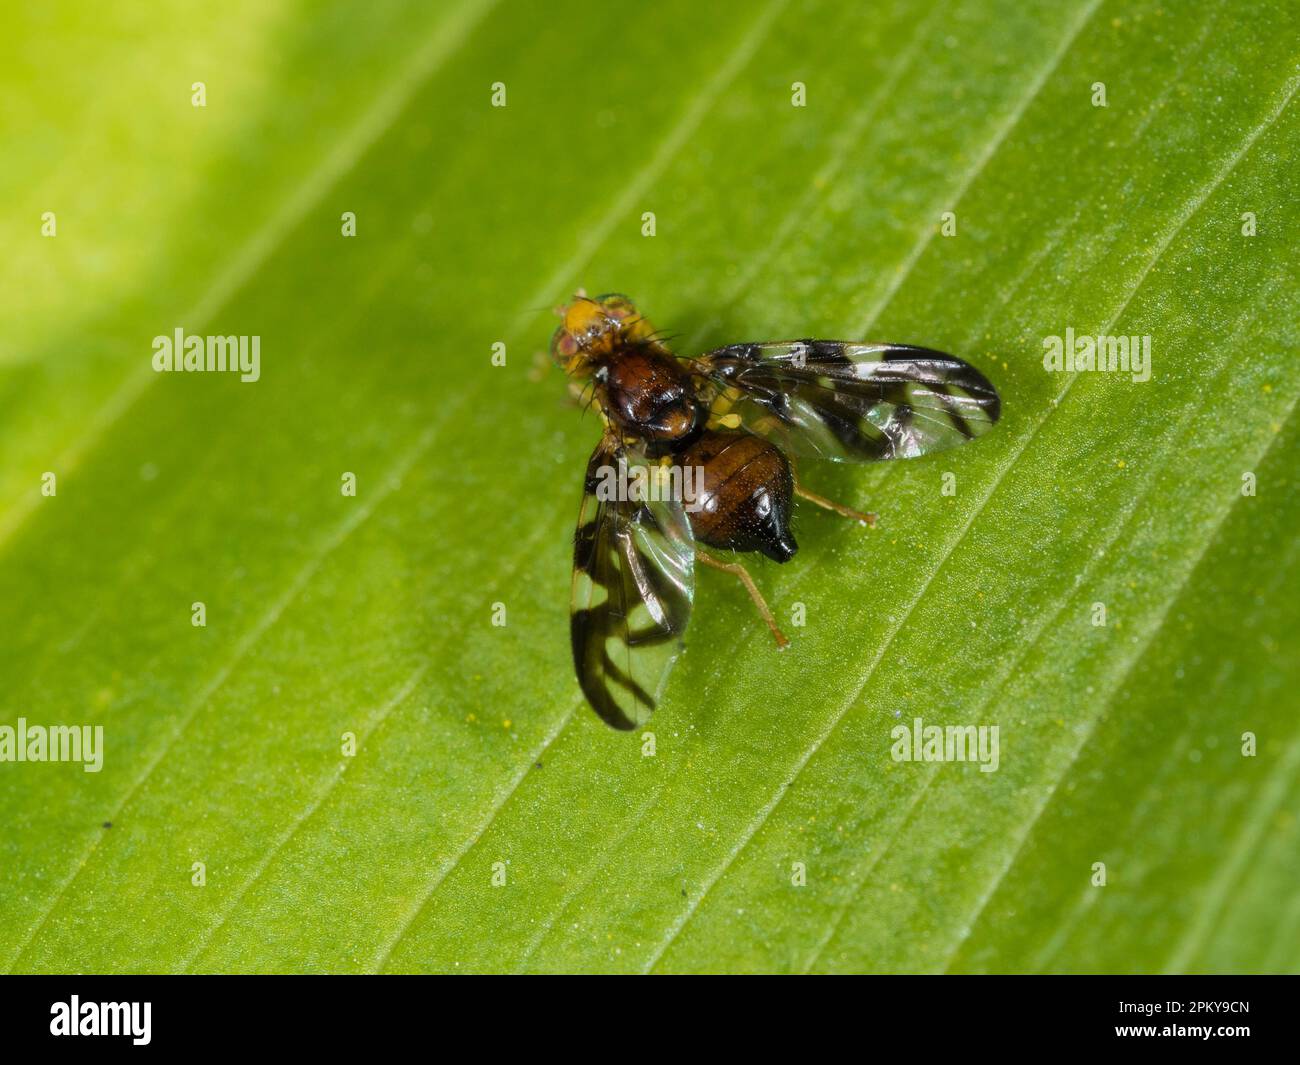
(326,614)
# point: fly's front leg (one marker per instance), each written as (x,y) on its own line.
(740,573)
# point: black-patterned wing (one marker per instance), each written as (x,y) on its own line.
(851,402)
(633,583)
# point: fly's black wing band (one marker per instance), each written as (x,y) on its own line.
(633,584)
(852,402)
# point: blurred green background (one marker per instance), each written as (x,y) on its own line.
(476,760)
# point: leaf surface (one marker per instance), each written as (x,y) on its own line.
(1120,743)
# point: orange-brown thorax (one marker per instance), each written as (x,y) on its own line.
(649,395)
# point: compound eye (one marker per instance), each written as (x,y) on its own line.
(563,346)
(617,306)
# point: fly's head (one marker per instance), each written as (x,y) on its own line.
(593,330)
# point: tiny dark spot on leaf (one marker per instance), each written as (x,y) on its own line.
(108,824)
(537,765)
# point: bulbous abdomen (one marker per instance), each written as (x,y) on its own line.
(744,501)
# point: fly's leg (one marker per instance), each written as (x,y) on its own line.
(830,504)
(738,571)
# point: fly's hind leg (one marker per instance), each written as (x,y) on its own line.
(740,573)
(829,504)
